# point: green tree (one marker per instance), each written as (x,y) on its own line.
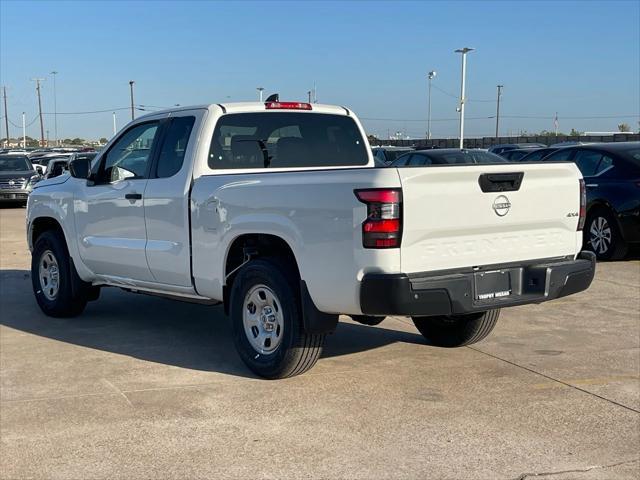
(103,140)
(623,127)
(77,141)
(575,133)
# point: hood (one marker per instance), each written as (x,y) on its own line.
(52,181)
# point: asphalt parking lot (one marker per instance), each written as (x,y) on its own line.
(142,387)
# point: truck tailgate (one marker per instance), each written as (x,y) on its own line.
(449,222)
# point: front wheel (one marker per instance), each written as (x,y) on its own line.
(56,285)
(267,321)
(457,330)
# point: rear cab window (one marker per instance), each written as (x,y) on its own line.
(286,140)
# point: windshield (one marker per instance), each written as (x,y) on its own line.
(286,139)
(15,163)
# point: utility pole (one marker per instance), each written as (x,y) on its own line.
(500,87)
(260,90)
(309,95)
(24,131)
(55,109)
(464,52)
(38,80)
(47,138)
(6,116)
(131,82)
(430,76)
(115,129)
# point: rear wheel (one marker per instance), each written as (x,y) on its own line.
(267,321)
(601,235)
(457,330)
(56,285)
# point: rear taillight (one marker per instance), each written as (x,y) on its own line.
(583,205)
(287,106)
(383,225)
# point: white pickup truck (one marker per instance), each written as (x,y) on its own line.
(276,210)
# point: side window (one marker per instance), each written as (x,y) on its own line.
(587,161)
(130,155)
(402,160)
(174,146)
(561,155)
(605,164)
(418,161)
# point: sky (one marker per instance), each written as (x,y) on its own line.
(579,59)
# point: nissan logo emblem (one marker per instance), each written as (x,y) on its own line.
(501,206)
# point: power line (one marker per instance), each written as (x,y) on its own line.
(87,112)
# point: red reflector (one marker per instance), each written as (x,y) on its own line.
(287,106)
(379,196)
(387,242)
(381,226)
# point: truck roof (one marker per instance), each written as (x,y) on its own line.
(249,107)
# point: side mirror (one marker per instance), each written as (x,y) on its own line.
(80,168)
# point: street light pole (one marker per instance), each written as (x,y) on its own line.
(500,87)
(55,108)
(430,76)
(260,90)
(6,115)
(464,52)
(115,129)
(131,82)
(24,131)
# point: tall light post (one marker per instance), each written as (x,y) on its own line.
(115,128)
(55,108)
(260,90)
(430,76)
(500,87)
(131,82)
(24,131)
(464,52)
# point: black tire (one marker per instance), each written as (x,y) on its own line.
(297,351)
(367,319)
(71,296)
(602,236)
(457,330)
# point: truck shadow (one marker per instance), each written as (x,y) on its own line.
(160,330)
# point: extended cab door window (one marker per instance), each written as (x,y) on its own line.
(130,156)
(174,146)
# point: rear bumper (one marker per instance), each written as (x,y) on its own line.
(453,293)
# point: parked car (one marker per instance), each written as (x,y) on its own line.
(498,149)
(446,156)
(611,173)
(534,155)
(17,178)
(57,167)
(41,163)
(384,156)
(276,211)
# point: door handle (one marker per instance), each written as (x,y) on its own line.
(133,196)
